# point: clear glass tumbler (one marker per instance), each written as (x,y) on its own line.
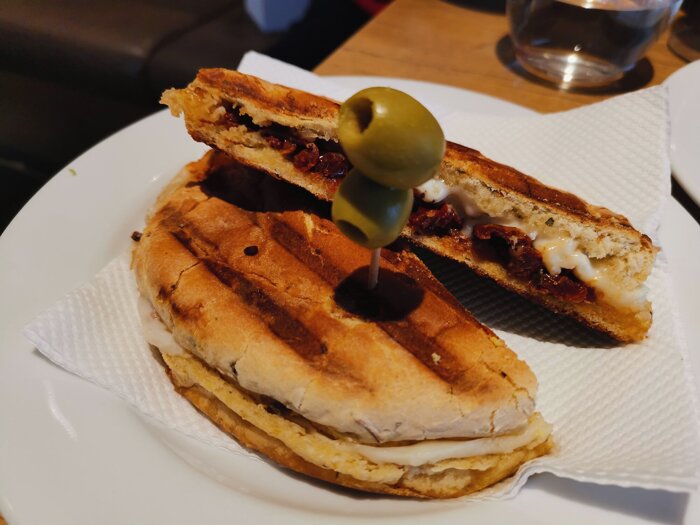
(585,43)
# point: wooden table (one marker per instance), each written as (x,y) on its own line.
(452,43)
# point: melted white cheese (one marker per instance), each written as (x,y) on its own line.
(561,253)
(429,452)
(434,190)
(558,252)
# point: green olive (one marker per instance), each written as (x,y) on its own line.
(390,137)
(368,213)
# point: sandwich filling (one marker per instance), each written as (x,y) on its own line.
(551,259)
(308,153)
(444,452)
(543,256)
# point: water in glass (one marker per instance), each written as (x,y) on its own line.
(585,43)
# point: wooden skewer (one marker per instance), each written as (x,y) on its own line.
(374,269)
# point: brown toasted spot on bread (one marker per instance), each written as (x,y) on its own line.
(273,97)
(296,244)
(424,348)
(281,321)
(513,180)
(189,312)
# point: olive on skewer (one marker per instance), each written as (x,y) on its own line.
(394,144)
(368,213)
(390,137)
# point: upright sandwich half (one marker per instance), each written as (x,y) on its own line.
(543,243)
(259,308)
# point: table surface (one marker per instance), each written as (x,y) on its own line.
(455,44)
(452,43)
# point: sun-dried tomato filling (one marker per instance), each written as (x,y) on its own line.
(507,245)
(516,252)
(311,156)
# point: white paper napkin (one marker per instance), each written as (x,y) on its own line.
(621,415)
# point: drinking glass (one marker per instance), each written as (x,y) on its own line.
(585,43)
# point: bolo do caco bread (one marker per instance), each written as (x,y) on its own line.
(258,306)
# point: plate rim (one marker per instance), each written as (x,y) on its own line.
(687,175)
(47,191)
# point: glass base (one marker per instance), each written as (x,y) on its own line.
(685,38)
(568,69)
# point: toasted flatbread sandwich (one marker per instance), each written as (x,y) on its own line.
(259,308)
(540,242)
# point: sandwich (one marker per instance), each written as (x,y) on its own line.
(543,243)
(259,309)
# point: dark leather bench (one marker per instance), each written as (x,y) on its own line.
(74,71)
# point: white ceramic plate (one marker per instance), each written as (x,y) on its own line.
(684,105)
(71,453)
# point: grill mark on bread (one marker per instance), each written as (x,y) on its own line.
(517,181)
(279,320)
(298,246)
(404,332)
(424,349)
(189,313)
(237,85)
(288,328)
(185,313)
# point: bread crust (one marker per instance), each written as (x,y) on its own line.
(270,320)
(268,103)
(485,471)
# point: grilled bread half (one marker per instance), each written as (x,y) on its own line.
(259,307)
(540,242)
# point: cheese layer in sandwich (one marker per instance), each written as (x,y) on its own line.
(545,244)
(259,308)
